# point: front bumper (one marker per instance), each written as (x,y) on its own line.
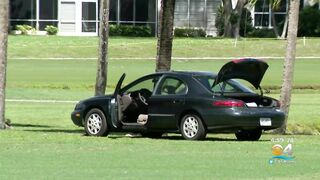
(76,117)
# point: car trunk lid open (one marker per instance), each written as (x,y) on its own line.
(251,70)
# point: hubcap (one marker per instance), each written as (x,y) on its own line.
(190,126)
(94,123)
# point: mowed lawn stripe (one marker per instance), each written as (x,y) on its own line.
(40,101)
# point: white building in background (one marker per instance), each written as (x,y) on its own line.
(81,17)
(197,13)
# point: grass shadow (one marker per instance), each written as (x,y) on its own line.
(206,139)
(179,137)
(68,131)
(30,125)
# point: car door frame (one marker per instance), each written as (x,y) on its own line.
(114,105)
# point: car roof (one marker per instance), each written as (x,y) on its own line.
(188,73)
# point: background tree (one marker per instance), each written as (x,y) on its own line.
(165,36)
(309,21)
(276,5)
(288,69)
(4,16)
(232,17)
(101,79)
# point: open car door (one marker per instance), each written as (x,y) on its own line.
(115,118)
(249,69)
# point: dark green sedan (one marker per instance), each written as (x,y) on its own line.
(190,103)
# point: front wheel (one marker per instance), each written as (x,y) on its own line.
(248,135)
(95,123)
(192,127)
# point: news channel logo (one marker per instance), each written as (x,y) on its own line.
(282,154)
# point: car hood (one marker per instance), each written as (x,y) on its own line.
(251,70)
(96,98)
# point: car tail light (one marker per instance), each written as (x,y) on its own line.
(229,103)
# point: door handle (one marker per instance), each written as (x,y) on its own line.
(177,101)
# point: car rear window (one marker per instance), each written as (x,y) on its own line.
(229,86)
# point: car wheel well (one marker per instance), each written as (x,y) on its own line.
(190,111)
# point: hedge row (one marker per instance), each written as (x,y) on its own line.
(129,30)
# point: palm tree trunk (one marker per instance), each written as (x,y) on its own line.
(4,16)
(101,79)
(165,36)
(238,11)
(288,70)
(274,24)
(231,26)
(285,28)
(227,8)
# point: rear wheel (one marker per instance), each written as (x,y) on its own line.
(192,127)
(95,123)
(248,135)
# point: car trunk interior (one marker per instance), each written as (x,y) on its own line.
(254,100)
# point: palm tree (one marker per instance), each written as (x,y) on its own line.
(101,79)
(165,36)
(275,5)
(288,70)
(232,17)
(4,16)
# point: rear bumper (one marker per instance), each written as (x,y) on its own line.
(76,117)
(243,118)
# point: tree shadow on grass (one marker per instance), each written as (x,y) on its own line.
(48,129)
(30,125)
(67,131)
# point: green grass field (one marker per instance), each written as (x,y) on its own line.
(44,144)
(80,47)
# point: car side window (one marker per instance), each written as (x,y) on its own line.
(172,86)
(148,84)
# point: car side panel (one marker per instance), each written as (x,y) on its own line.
(163,112)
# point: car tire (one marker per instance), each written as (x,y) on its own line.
(248,135)
(154,135)
(96,123)
(192,127)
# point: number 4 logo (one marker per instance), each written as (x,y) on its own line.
(288,150)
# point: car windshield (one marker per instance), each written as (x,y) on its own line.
(229,86)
